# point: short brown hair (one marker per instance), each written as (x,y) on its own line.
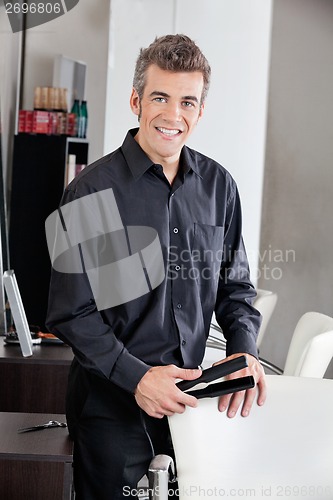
(171,53)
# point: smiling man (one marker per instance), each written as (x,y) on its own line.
(122,383)
(168,111)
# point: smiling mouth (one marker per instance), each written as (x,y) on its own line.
(169,132)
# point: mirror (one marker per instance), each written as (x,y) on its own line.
(3,240)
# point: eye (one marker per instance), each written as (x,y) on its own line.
(159,99)
(188,104)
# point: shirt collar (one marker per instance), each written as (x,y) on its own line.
(136,158)
(139,162)
(188,160)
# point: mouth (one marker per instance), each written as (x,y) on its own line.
(169,132)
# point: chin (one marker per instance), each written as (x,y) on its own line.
(168,153)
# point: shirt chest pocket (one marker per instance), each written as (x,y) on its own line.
(207,250)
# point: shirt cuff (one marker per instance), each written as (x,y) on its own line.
(247,345)
(128,371)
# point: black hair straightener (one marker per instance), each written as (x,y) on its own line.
(221,388)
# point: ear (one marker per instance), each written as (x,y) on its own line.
(202,107)
(135,102)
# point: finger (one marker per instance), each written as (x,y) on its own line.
(187,374)
(248,402)
(187,400)
(167,413)
(236,401)
(153,412)
(157,415)
(224,402)
(160,412)
(262,391)
(178,405)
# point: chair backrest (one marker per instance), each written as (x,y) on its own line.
(282,450)
(265,302)
(311,346)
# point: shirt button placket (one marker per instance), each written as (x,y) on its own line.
(177,290)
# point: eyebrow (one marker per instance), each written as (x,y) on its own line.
(164,94)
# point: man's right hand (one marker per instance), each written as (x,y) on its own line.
(158,395)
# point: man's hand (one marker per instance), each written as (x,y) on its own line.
(244,398)
(158,395)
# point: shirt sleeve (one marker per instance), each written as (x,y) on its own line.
(234,311)
(74,318)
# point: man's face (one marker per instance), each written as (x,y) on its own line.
(168,112)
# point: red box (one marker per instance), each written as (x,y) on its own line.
(41,122)
(28,121)
(61,123)
(53,123)
(71,128)
(21,121)
(25,121)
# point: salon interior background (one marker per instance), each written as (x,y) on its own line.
(268,119)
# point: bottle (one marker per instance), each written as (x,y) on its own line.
(63,99)
(45,105)
(83,120)
(76,111)
(62,114)
(56,121)
(38,99)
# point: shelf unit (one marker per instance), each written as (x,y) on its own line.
(39,166)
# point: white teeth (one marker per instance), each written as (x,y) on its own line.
(168,131)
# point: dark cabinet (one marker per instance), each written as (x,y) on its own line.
(35,465)
(39,167)
(36,384)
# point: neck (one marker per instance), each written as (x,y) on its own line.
(170,164)
(170,171)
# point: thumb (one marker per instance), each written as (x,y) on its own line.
(188,374)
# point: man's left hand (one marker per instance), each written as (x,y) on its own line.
(244,398)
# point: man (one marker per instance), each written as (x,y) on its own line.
(129,356)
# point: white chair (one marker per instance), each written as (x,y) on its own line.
(265,302)
(284,449)
(311,347)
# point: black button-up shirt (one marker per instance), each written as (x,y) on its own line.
(198,220)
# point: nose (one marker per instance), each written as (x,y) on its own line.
(172,112)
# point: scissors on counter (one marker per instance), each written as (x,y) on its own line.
(48,425)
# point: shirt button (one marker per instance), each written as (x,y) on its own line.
(175,230)
(177,268)
(179,306)
(183,342)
